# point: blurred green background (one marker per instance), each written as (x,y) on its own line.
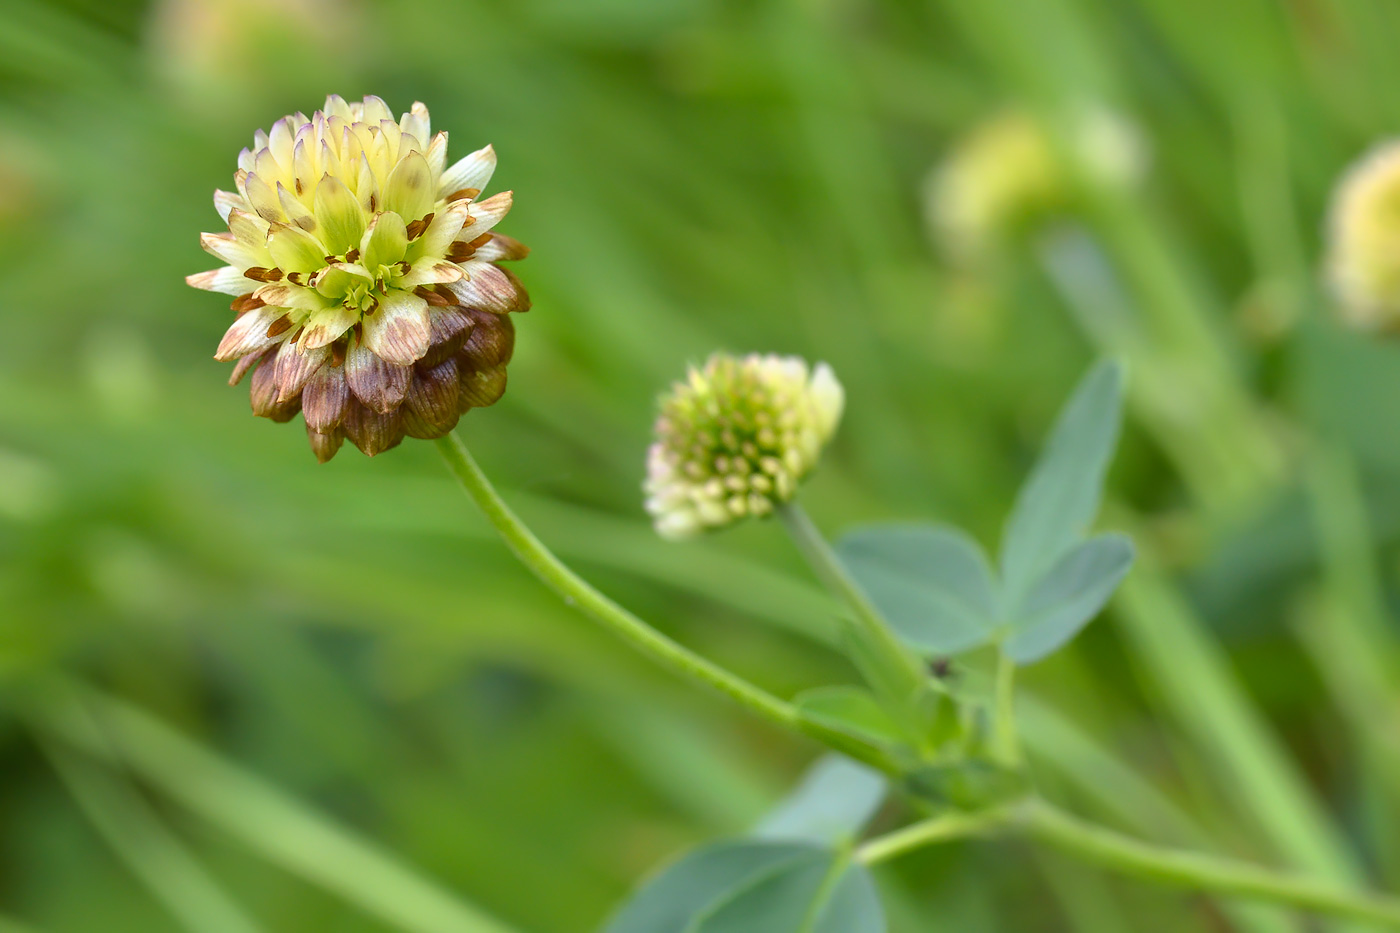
(691,175)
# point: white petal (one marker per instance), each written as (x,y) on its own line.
(337,107)
(437,155)
(375,110)
(501,248)
(443,229)
(227,248)
(485,215)
(474,171)
(429,272)
(227,201)
(228,280)
(416,121)
(248,334)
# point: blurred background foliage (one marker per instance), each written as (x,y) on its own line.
(691,175)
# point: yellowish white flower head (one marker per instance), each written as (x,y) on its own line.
(1363,261)
(736,438)
(1006,173)
(364,273)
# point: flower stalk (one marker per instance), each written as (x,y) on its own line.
(895,672)
(578,593)
(1206,873)
(1116,852)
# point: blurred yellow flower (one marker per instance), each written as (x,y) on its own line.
(365,278)
(1363,258)
(736,438)
(1005,174)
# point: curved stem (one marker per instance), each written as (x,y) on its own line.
(1204,872)
(584,597)
(942,828)
(1007,739)
(892,669)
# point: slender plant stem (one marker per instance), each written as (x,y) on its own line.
(1116,852)
(1008,743)
(942,828)
(1204,872)
(600,608)
(893,670)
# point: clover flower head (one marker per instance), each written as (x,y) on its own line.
(365,278)
(1005,176)
(1363,255)
(736,438)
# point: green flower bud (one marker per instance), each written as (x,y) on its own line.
(736,438)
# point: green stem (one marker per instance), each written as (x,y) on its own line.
(942,828)
(893,670)
(1204,872)
(1114,851)
(600,608)
(1008,745)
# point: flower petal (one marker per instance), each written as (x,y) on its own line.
(262,196)
(483,215)
(375,381)
(480,388)
(372,431)
(416,121)
(450,327)
(228,280)
(324,446)
(226,201)
(375,110)
(326,398)
(287,295)
(473,171)
(430,407)
(400,329)
(226,247)
(408,191)
(436,154)
(491,342)
(430,272)
(295,368)
(245,363)
(342,221)
(440,232)
(248,229)
(384,242)
(366,184)
(248,334)
(263,393)
(295,250)
(296,211)
(501,248)
(490,288)
(328,325)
